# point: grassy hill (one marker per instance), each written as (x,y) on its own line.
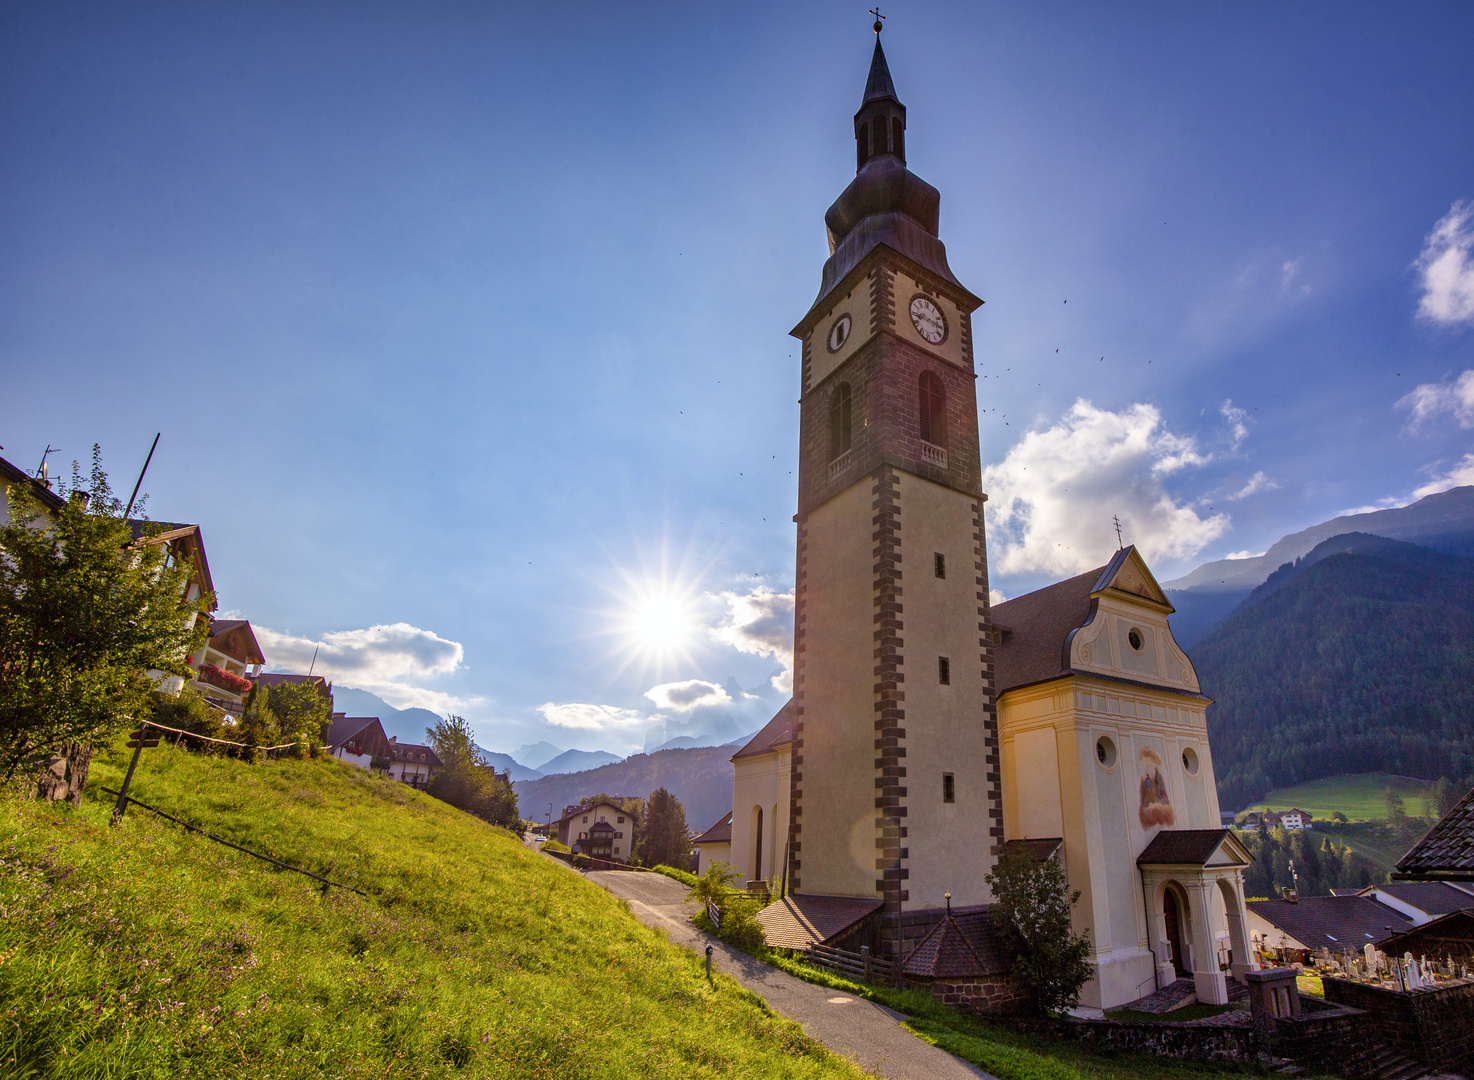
(701,777)
(147,951)
(1360,653)
(1360,796)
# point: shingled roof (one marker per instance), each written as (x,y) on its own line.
(1193,847)
(1339,923)
(1447,851)
(964,945)
(720,833)
(798,921)
(774,734)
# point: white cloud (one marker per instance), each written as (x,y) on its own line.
(1455,397)
(1256,483)
(1236,418)
(592,717)
(995,596)
(1052,498)
(688,695)
(391,660)
(1460,475)
(760,622)
(1447,266)
(1246,554)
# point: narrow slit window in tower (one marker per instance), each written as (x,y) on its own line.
(939,564)
(949,788)
(944,671)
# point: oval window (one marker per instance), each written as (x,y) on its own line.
(1190,761)
(1105,752)
(1134,637)
(839,333)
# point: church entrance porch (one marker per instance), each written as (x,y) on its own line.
(1194,883)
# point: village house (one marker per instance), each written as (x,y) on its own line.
(1295,819)
(600,830)
(410,763)
(227,663)
(359,740)
(714,845)
(1294,927)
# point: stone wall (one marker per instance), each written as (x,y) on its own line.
(1433,1025)
(1325,1038)
(985,995)
(1191,1041)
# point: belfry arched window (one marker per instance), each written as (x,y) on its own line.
(880,146)
(933,409)
(862,145)
(839,420)
(898,138)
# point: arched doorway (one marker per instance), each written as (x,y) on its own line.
(1175,909)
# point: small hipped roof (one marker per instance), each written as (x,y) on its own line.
(1195,847)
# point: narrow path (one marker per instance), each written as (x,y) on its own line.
(868,1034)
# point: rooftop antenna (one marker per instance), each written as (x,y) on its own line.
(1117,522)
(879,18)
(314,658)
(141,471)
(41,468)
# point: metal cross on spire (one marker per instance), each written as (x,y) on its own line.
(1117,522)
(879,18)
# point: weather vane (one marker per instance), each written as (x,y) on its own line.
(879,18)
(1117,523)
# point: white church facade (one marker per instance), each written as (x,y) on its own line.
(929,728)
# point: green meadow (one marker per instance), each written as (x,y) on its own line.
(1360,796)
(147,951)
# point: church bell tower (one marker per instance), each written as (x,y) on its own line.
(895,777)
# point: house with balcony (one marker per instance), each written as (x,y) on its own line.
(227,664)
(600,830)
(411,764)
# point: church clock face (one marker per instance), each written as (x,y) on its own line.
(839,333)
(928,319)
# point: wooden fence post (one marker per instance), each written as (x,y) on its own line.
(137,742)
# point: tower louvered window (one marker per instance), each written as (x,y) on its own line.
(933,410)
(839,421)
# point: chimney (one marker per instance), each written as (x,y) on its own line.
(81,498)
(1292,895)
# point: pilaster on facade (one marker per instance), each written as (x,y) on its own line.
(890,735)
(993,759)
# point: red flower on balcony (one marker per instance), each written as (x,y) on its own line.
(215,676)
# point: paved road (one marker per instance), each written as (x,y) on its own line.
(866,1033)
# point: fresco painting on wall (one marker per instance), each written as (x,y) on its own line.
(1156,807)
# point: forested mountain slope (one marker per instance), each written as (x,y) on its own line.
(701,777)
(1358,656)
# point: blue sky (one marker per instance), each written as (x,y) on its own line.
(465,325)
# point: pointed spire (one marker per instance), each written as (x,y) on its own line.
(879,84)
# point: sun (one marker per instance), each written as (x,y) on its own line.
(659,623)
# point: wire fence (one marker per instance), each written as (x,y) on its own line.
(219,742)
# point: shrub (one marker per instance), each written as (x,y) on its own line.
(1033,906)
(685,877)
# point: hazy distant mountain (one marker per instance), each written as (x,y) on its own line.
(1204,597)
(507,764)
(535,755)
(1358,656)
(701,777)
(407,725)
(570,761)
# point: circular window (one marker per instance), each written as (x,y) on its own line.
(1135,639)
(839,333)
(1105,752)
(1190,761)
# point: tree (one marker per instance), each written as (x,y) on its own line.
(664,838)
(86,612)
(464,782)
(1032,905)
(301,710)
